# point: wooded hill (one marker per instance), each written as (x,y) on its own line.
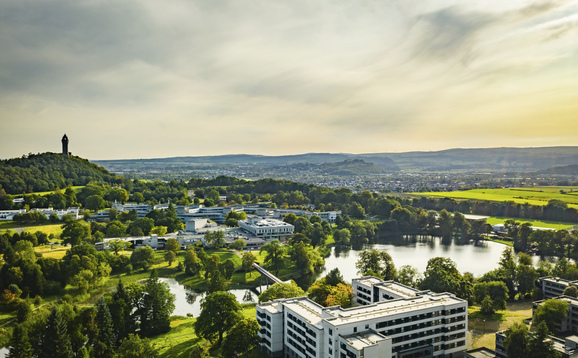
(48,171)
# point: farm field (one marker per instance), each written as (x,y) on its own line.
(533,196)
(558,225)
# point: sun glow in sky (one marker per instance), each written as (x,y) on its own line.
(139,79)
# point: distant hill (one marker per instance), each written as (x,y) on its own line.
(563,170)
(47,171)
(248,159)
(486,159)
(491,159)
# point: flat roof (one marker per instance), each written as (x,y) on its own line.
(481,352)
(398,288)
(390,308)
(359,341)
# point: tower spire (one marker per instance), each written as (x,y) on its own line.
(65,146)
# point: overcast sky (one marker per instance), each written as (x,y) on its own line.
(141,79)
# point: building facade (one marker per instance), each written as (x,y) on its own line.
(554,286)
(267,229)
(425,324)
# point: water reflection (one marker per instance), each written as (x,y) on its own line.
(477,257)
(189,301)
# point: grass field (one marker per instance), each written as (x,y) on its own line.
(55,229)
(482,329)
(535,196)
(535,223)
(76,189)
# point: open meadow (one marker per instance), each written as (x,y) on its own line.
(534,196)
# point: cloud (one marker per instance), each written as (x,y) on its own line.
(277,74)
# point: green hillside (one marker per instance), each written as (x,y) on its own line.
(47,171)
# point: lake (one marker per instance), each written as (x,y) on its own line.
(476,258)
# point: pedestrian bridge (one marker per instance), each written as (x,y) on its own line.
(267,274)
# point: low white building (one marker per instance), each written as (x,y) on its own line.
(267,229)
(417,324)
(72,211)
(329,216)
(9,214)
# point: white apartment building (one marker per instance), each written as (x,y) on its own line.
(554,286)
(268,229)
(416,324)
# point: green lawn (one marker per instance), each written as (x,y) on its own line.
(534,196)
(76,189)
(558,225)
(182,337)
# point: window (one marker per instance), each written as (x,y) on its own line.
(354,329)
(330,332)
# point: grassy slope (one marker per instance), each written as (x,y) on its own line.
(534,196)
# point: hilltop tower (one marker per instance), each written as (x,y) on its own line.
(65,145)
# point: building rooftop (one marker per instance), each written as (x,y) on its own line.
(340,316)
(362,340)
(481,352)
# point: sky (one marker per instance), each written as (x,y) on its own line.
(151,79)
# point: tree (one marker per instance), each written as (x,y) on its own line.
(497,291)
(238,244)
(571,291)
(342,237)
(408,275)
(135,347)
(74,232)
(441,275)
(516,342)
(539,344)
(19,345)
(193,264)
(94,202)
(170,257)
(117,245)
(242,338)
(143,257)
(172,245)
(218,282)
(106,338)
(551,312)
(526,275)
(334,277)
(115,229)
(157,306)
(228,268)
(220,312)
(55,341)
(377,261)
(248,260)
(300,253)
(274,257)
(160,231)
(281,290)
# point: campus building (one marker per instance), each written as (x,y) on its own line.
(329,216)
(554,286)
(267,229)
(419,324)
(570,322)
(9,214)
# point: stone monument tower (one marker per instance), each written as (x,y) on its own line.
(65,145)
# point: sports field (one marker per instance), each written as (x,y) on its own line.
(534,196)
